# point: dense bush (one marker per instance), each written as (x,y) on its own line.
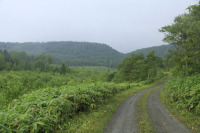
(14,84)
(137,68)
(184,92)
(46,109)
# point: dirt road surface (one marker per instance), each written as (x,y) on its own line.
(162,120)
(124,118)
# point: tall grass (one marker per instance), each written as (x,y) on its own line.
(45,110)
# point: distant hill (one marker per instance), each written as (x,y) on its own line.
(80,53)
(159,50)
(74,53)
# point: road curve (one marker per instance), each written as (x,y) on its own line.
(124,119)
(162,120)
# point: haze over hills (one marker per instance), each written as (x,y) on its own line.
(80,53)
(74,53)
(159,50)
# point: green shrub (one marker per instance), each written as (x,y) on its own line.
(46,109)
(184,92)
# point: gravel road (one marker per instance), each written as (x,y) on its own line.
(162,120)
(124,119)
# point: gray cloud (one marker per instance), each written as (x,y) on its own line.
(125,25)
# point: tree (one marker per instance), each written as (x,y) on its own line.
(153,63)
(184,35)
(42,62)
(111,76)
(63,68)
(16,61)
(132,69)
(169,60)
(1,61)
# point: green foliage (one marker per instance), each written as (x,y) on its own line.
(17,61)
(184,92)
(151,64)
(14,84)
(81,53)
(182,97)
(132,68)
(161,51)
(64,69)
(42,62)
(74,53)
(137,68)
(184,35)
(45,110)
(10,87)
(111,76)
(1,61)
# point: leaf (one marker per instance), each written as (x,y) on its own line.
(92,106)
(67,96)
(34,127)
(16,123)
(40,123)
(5,129)
(192,93)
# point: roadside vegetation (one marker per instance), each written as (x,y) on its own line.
(181,93)
(47,97)
(47,109)
(95,120)
(16,83)
(56,108)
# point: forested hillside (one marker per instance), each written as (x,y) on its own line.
(74,53)
(80,53)
(159,50)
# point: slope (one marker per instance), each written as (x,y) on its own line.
(80,53)
(159,50)
(74,53)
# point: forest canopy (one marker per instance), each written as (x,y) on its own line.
(185,36)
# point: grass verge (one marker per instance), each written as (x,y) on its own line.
(190,120)
(144,123)
(95,121)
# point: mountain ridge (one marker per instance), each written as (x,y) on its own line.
(161,50)
(78,53)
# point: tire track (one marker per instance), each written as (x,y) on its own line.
(162,120)
(124,119)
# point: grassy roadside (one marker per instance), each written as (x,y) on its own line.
(189,119)
(95,121)
(144,124)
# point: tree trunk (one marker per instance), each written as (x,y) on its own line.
(186,65)
(148,74)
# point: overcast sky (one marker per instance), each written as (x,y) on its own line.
(125,25)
